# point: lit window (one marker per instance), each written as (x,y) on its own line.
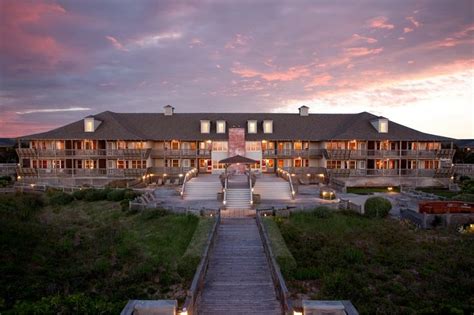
(252,146)
(120,164)
(268,126)
(252,126)
(205,126)
(219,146)
(89,126)
(220,126)
(383,126)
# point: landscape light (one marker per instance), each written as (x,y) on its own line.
(180,175)
(389,188)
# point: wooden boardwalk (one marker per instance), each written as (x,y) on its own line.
(238,280)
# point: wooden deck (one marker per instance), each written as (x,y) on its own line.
(238,280)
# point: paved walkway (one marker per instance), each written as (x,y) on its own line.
(238,280)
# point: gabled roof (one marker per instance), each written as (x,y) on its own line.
(237,159)
(186,126)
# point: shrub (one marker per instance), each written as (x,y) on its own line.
(464,197)
(377,207)
(6,178)
(92,194)
(124,205)
(130,194)
(79,194)
(322,212)
(60,198)
(116,195)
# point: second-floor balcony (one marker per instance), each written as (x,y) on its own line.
(391,172)
(84,153)
(180,153)
(81,172)
(292,153)
(347,154)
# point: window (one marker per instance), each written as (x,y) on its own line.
(298,145)
(431,164)
(136,164)
(218,166)
(58,163)
(193,163)
(252,146)
(252,126)
(40,164)
(89,164)
(383,126)
(255,165)
(174,145)
(268,126)
(298,163)
(334,164)
(335,145)
(120,164)
(268,145)
(89,145)
(220,126)
(270,163)
(219,146)
(281,163)
(59,145)
(89,125)
(205,126)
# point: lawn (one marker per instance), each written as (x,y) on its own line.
(383,266)
(89,257)
(370,190)
(445,193)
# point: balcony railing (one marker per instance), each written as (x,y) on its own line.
(345,154)
(304,170)
(80,172)
(159,171)
(192,153)
(391,172)
(291,153)
(54,153)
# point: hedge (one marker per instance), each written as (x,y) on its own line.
(377,207)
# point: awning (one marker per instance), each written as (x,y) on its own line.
(237,159)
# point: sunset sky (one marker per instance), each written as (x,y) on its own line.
(410,61)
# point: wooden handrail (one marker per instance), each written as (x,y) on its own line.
(190,174)
(197,284)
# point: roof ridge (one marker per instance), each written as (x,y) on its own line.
(127,128)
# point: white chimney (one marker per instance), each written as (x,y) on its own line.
(304,110)
(168,110)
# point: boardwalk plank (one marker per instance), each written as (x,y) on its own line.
(238,280)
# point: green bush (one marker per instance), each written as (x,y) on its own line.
(6,178)
(322,212)
(4,183)
(92,194)
(60,198)
(79,194)
(130,194)
(464,197)
(377,207)
(124,205)
(70,304)
(116,195)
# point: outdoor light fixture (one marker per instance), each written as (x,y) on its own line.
(19,177)
(180,175)
(389,188)
(164,175)
(297,313)
(185,312)
(224,202)
(308,175)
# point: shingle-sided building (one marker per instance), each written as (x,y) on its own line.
(358,149)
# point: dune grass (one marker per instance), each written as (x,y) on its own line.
(381,265)
(89,257)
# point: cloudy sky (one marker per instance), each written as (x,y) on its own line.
(411,61)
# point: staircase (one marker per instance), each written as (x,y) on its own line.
(238,198)
(270,187)
(203,187)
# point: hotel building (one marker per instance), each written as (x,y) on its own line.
(354,149)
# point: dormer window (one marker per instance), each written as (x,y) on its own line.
(268,126)
(380,124)
(205,126)
(220,126)
(91,124)
(252,126)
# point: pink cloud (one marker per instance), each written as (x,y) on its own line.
(239,40)
(288,75)
(319,80)
(116,43)
(413,21)
(362,51)
(407,30)
(380,22)
(356,38)
(464,36)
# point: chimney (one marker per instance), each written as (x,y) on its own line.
(168,110)
(304,110)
